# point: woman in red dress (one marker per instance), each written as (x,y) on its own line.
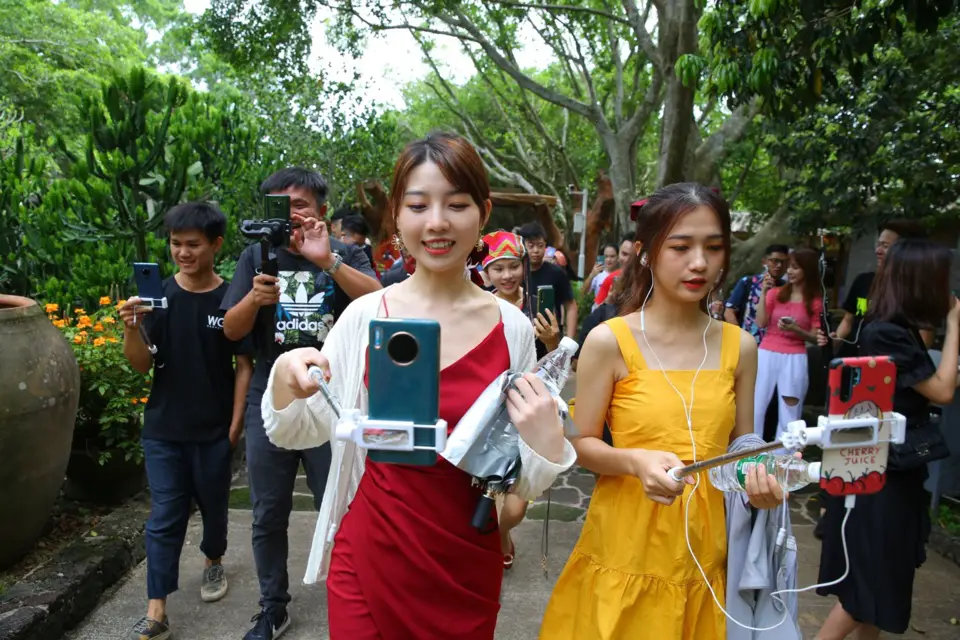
(406,562)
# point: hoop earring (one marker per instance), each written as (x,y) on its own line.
(398,242)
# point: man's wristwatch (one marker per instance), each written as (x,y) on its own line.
(337,261)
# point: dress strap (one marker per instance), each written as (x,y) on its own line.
(730,347)
(629,348)
(383,303)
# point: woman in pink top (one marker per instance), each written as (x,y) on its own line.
(789,314)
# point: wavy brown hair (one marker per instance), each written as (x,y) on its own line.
(912,286)
(807,260)
(457,160)
(657,217)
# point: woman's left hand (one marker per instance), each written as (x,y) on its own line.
(763,490)
(533,411)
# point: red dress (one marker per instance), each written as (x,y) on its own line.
(406,563)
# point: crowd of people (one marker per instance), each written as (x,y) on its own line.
(661,382)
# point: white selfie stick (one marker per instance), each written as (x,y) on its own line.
(381,435)
(830,433)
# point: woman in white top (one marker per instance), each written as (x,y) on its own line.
(407,533)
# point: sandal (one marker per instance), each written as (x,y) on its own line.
(508,557)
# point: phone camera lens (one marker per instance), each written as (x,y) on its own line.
(403,348)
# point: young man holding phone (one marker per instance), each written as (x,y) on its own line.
(318,277)
(543,273)
(194,416)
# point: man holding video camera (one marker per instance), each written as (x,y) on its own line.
(318,276)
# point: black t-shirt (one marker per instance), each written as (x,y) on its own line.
(856,303)
(310,302)
(913,364)
(193,375)
(552,275)
(598,316)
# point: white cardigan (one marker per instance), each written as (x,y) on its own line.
(309,423)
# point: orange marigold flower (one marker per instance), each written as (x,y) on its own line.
(82,334)
(104,301)
(59,324)
(133,401)
(120,303)
(143,400)
(98,327)
(109,320)
(52,308)
(99,342)
(77,339)
(79,311)
(111,339)
(84,321)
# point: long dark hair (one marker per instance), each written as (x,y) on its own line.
(808,261)
(656,219)
(912,286)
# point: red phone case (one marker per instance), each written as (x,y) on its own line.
(872,396)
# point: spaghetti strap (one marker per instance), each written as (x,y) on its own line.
(730,347)
(629,348)
(383,302)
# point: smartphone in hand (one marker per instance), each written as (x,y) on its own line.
(546,299)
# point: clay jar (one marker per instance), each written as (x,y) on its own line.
(39,391)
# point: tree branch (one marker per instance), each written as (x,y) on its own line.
(561,8)
(638,23)
(746,171)
(461,21)
(712,149)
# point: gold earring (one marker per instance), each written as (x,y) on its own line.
(398,242)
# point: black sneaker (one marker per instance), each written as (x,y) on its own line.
(150,629)
(268,625)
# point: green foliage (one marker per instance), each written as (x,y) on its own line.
(886,147)
(789,53)
(53,53)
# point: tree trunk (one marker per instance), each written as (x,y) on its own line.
(623,176)
(678,37)
(599,217)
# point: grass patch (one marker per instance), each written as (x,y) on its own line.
(948,517)
(240,499)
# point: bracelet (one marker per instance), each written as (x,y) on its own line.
(337,261)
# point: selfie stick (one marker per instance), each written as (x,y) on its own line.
(830,433)
(380,435)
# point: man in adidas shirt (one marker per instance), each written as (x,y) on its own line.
(194,416)
(314,286)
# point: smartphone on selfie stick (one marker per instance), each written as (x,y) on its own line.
(403,366)
(149,285)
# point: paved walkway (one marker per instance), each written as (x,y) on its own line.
(525,593)
(525,589)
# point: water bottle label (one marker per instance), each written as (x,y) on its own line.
(743,467)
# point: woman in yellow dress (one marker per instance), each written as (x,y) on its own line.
(664,375)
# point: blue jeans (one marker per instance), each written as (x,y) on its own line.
(273,474)
(177,473)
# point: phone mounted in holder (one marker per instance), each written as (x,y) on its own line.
(273,233)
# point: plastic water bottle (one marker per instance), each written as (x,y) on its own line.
(555,367)
(792,473)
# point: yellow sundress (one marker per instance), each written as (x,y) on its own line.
(630,576)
